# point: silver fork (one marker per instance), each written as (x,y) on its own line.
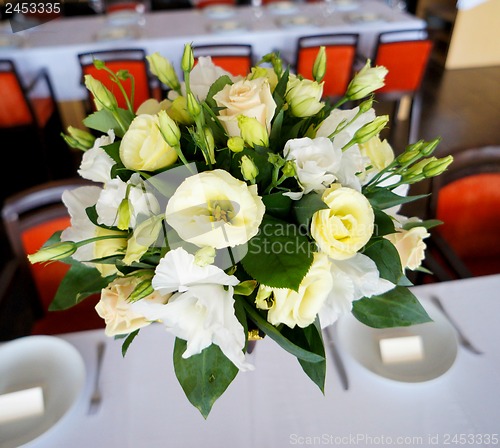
(462,339)
(337,360)
(96,397)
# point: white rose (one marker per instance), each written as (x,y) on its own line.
(115,308)
(299,307)
(215,209)
(251,98)
(410,245)
(346,225)
(316,161)
(143,148)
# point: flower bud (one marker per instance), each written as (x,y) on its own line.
(53,252)
(248,169)
(415,172)
(371,129)
(428,148)
(410,156)
(84,138)
(275,160)
(319,67)
(143,289)
(169,129)
(252,131)
(187,62)
(289,169)
(236,144)
(103,98)
(193,106)
(123,75)
(304,97)
(99,64)
(209,140)
(366,105)
(164,70)
(437,167)
(366,81)
(124,214)
(204,256)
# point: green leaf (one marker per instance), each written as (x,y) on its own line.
(428,224)
(278,256)
(382,198)
(203,377)
(128,340)
(103,120)
(216,87)
(311,339)
(277,205)
(384,225)
(279,338)
(386,257)
(79,283)
(306,207)
(395,308)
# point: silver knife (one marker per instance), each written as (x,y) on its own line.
(337,360)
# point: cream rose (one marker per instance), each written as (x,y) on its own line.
(346,226)
(251,98)
(299,307)
(115,308)
(304,96)
(143,148)
(215,209)
(410,245)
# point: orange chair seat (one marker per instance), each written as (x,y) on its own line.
(470,210)
(236,65)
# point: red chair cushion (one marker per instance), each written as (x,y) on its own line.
(470,209)
(339,62)
(14,110)
(406,62)
(47,278)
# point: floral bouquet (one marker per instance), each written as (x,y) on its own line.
(238,208)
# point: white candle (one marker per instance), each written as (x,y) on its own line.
(401,349)
(21,404)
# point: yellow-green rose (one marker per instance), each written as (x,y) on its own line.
(115,309)
(410,245)
(304,96)
(143,147)
(298,307)
(346,225)
(379,152)
(215,209)
(251,98)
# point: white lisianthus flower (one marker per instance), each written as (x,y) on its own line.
(152,106)
(304,96)
(144,236)
(346,225)
(215,209)
(353,279)
(410,245)
(201,310)
(379,152)
(141,201)
(143,148)
(203,75)
(96,164)
(115,308)
(316,161)
(252,98)
(82,228)
(300,307)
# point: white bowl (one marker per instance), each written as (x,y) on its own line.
(439,341)
(50,363)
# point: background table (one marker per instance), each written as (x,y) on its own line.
(277,406)
(55,44)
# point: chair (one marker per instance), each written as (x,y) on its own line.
(30,121)
(131,59)
(201,4)
(466,198)
(405,54)
(340,49)
(237,59)
(30,218)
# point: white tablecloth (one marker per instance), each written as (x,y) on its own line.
(55,44)
(277,406)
